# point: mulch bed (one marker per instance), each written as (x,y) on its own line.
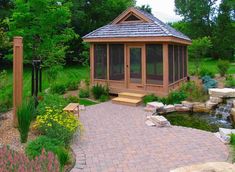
(10,135)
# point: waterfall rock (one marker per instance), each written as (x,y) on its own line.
(234,103)
(233,114)
(225,134)
(222,92)
(187,104)
(169,108)
(160,121)
(183,109)
(210,105)
(216,99)
(155,105)
(201,108)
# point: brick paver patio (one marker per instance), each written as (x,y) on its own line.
(116,139)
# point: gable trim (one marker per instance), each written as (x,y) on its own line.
(127,13)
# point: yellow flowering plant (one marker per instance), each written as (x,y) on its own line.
(58,124)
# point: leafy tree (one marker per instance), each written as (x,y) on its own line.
(44,25)
(5,8)
(146,8)
(198,50)
(224,33)
(88,15)
(198,14)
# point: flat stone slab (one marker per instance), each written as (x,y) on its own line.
(208,167)
(116,138)
(222,92)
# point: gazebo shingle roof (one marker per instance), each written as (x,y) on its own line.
(155,28)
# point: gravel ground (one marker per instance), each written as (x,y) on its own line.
(10,135)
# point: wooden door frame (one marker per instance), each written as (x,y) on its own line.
(135,86)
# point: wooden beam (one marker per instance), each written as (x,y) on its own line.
(17,76)
(150,39)
(91,64)
(165,68)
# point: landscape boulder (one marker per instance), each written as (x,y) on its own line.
(169,108)
(216,99)
(222,92)
(233,114)
(187,104)
(159,121)
(210,105)
(200,108)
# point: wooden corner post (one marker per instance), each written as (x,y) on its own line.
(165,68)
(17,76)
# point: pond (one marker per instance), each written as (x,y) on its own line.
(200,121)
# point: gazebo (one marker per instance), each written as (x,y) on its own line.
(138,53)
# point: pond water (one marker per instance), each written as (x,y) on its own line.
(203,121)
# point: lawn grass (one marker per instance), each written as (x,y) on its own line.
(211,65)
(69,73)
(86,102)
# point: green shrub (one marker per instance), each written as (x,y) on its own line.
(25,114)
(230,81)
(206,72)
(58,88)
(208,83)
(194,92)
(72,99)
(35,147)
(63,156)
(176,97)
(52,72)
(223,66)
(72,85)
(58,124)
(51,100)
(99,90)
(150,98)
(232,141)
(104,98)
(84,93)
(3,79)
(6,100)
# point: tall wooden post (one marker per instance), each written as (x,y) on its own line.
(17,76)
(165,68)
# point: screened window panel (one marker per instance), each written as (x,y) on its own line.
(100,61)
(171,63)
(135,65)
(176,63)
(116,62)
(181,68)
(154,62)
(185,61)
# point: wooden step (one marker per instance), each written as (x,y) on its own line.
(126,101)
(131,95)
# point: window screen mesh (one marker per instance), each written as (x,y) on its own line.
(116,62)
(185,62)
(181,64)
(100,61)
(154,62)
(176,63)
(171,63)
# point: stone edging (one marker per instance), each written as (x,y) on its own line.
(80,156)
